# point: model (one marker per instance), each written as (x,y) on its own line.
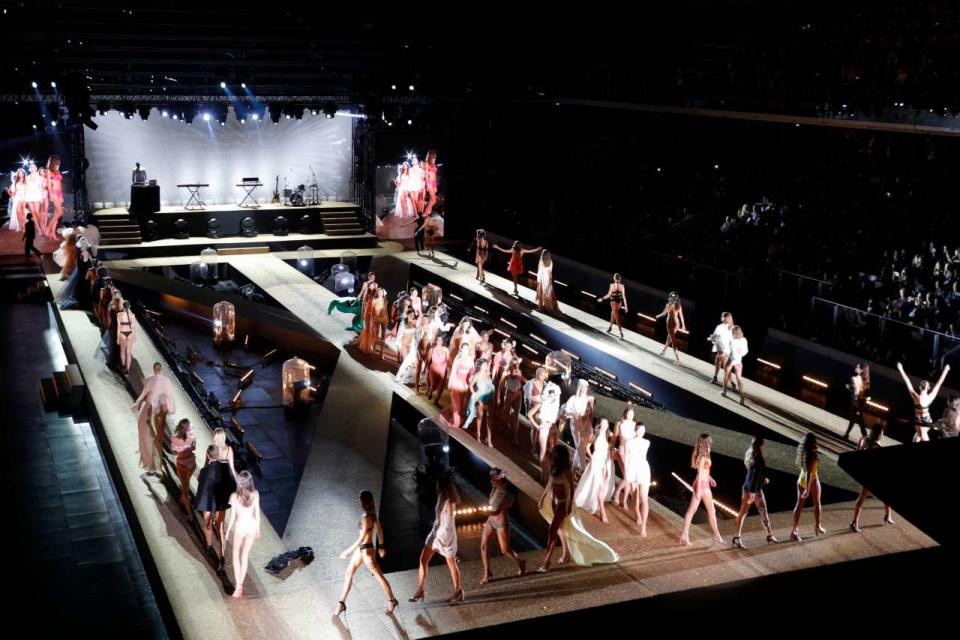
(546,295)
(481,401)
(244,525)
(673,311)
(442,539)
(859,388)
(702,489)
(752,492)
(515,266)
(498,524)
(617,295)
(596,484)
(808,484)
(922,400)
(871,441)
(738,350)
(362,552)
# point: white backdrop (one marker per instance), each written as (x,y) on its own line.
(173,153)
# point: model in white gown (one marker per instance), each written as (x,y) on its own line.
(546,296)
(443,535)
(579,409)
(584,549)
(597,482)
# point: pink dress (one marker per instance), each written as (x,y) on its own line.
(516,262)
(431,177)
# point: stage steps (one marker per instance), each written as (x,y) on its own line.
(63,391)
(25,282)
(118,229)
(341,223)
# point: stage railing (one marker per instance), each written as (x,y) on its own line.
(877,337)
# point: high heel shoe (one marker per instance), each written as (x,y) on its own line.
(820,531)
(341,608)
(738,543)
(394,603)
(456,597)
(854,528)
(417,596)
(888,520)
(771,539)
(795,536)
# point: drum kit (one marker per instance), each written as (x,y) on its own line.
(303,195)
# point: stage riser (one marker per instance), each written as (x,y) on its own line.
(264,218)
(194,246)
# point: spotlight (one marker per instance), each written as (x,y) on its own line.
(176,117)
(34,127)
(53,85)
(223,85)
(165,113)
(243,121)
(243,85)
(255,117)
(394,87)
(411,87)
(33,84)
(53,123)
(409,121)
(206,117)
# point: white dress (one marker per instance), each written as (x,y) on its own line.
(585,497)
(581,426)
(34,190)
(585,550)
(549,410)
(443,535)
(721,338)
(633,449)
(739,349)
(408,368)
(546,296)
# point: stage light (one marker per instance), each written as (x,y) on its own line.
(53,123)
(243,85)
(53,85)
(176,117)
(33,84)
(393,86)
(411,87)
(815,382)
(243,121)
(530,349)
(716,166)
(505,321)
(164,113)
(223,85)
(409,122)
(34,127)
(878,406)
(246,380)
(329,110)
(503,333)
(572,355)
(224,324)
(637,387)
(206,117)
(456,297)
(222,123)
(538,338)
(772,365)
(255,117)
(646,317)
(480,309)
(605,372)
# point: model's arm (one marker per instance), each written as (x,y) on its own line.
(381,543)
(623,294)
(526,251)
(140,398)
(906,379)
(499,248)
(346,552)
(664,312)
(546,490)
(231,516)
(609,293)
(936,387)
(683,324)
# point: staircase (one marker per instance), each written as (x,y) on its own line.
(341,223)
(118,229)
(24,282)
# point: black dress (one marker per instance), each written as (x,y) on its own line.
(214,487)
(76,294)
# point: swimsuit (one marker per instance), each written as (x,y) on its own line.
(126,334)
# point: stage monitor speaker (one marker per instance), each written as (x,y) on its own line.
(180,230)
(213,228)
(149,230)
(306,223)
(248,227)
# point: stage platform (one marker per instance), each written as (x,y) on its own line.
(194,245)
(332,205)
(348,455)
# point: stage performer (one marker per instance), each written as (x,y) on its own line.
(417,179)
(442,539)
(808,484)
(738,350)
(139,175)
(244,524)
(349,306)
(515,266)
(76,293)
(922,401)
(184,444)
(215,484)
(368,336)
(430,181)
(617,295)
(510,397)
(17,192)
(33,194)
(871,441)
(459,384)
(111,335)
(155,403)
(544,417)
(380,318)
(673,310)
(431,229)
(481,248)
(362,552)
(481,400)
(126,336)
(546,295)
(636,476)
(498,523)
(700,460)
(579,408)
(438,359)
(44,199)
(596,485)
(752,492)
(28,236)
(55,189)
(721,340)
(859,388)
(405,204)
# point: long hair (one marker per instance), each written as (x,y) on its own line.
(545,258)
(245,488)
(701,450)
(478,364)
(447,489)
(54,159)
(220,441)
(367,504)
(181,429)
(807,451)
(561,461)
(753,452)
(431,157)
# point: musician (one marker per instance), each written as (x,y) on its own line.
(139,175)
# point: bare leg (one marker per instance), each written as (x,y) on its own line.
(739,369)
(643,492)
(688,518)
(374,568)
(797,510)
(355,563)
(422,569)
(712,516)
(208,528)
(485,553)
(744,509)
(855,524)
(454,575)
(503,538)
(817,507)
(184,474)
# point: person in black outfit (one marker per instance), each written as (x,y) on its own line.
(28,236)
(418,235)
(753,491)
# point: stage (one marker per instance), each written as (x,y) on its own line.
(347,456)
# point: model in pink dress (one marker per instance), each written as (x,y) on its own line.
(430,181)
(438,359)
(55,191)
(459,385)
